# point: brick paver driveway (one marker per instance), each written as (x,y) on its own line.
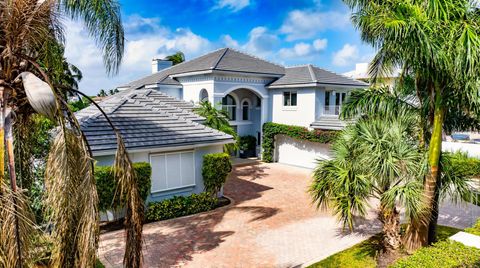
(272,223)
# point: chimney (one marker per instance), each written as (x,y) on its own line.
(158,65)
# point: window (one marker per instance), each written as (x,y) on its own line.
(344,97)
(203,95)
(327,100)
(245,110)
(229,105)
(289,98)
(172,171)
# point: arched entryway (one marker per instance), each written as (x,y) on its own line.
(246,111)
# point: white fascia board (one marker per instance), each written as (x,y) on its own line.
(190,73)
(165,149)
(317,85)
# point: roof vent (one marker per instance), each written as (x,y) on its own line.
(158,65)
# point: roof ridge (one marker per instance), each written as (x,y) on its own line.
(312,74)
(256,57)
(220,58)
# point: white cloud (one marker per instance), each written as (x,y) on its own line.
(233,5)
(305,24)
(261,42)
(346,55)
(145,39)
(303,49)
(320,44)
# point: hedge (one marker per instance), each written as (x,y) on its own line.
(215,170)
(270,130)
(475,229)
(180,206)
(442,254)
(106,184)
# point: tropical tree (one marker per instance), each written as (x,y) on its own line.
(375,158)
(30,34)
(438,42)
(217,119)
(176,58)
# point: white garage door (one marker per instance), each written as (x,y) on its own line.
(300,153)
(172,171)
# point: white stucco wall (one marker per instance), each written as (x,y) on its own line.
(301,115)
(199,152)
(473,150)
(299,153)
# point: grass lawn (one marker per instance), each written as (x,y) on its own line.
(363,255)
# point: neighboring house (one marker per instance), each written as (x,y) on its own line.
(361,73)
(255,91)
(158,129)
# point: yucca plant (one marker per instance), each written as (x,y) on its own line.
(32,80)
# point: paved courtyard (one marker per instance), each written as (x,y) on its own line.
(271,223)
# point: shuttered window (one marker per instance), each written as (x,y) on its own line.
(172,171)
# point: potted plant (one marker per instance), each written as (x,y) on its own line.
(247,145)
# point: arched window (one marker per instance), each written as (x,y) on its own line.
(245,110)
(203,95)
(229,105)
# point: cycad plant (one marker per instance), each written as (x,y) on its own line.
(375,158)
(31,34)
(438,42)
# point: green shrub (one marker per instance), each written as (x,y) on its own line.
(107,186)
(215,170)
(442,254)
(464,165)
(270,130)
(475,229)
(180,206)
(248,142)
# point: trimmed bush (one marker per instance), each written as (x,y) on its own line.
(475,229)
(270,130)
(180,206)
(463,164)
(442,254)
(215,170)
(107,186)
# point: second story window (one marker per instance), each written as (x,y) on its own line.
(229,105)
(289,98)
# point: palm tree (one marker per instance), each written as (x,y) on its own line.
(31,34)
(375,158)
(217,119)
(438,41)
(176,58)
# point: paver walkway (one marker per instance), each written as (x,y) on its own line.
(272,223)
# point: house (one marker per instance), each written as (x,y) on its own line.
(158,129)
(254,91)
(361,73)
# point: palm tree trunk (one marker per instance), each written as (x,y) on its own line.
(418,231)
(390,218)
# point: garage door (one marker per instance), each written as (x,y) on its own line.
(172,171)
(300,153)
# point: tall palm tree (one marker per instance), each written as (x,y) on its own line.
(375,158)
(438,41)
(176,58)
(30,34)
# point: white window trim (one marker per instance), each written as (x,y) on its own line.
(166,168)
(283,98)
(249,108)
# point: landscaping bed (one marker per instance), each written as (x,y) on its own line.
(364,254)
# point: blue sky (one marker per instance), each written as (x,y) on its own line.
(288,32)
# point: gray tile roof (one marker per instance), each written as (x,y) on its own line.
(310,74)
(147,119)
(225,59)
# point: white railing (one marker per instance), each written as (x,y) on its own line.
(332,110)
